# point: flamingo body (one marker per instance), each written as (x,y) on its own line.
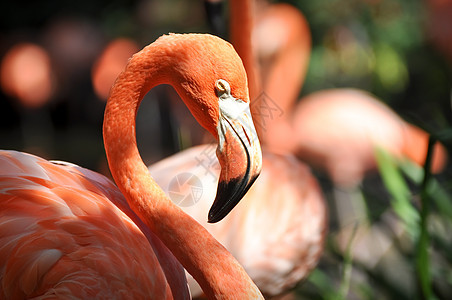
(63,236)
(278,229)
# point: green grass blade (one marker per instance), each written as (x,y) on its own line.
(398,188)
(422,256)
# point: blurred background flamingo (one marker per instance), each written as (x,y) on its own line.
(277,232)
(382,47)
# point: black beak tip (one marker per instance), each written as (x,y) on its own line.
(225,200)
(228,196)
(219,214)
(214,218)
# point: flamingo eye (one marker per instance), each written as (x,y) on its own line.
(222,87)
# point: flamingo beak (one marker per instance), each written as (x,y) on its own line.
(239,154)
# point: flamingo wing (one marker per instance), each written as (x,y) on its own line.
(62,235)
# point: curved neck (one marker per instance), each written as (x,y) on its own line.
(241,25)
(284,79)
(217,272)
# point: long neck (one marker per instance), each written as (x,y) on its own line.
(284,78)
(241,25)
(217,272)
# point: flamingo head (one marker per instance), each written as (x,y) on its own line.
(238,151)
(213,84)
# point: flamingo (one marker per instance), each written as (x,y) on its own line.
(66,231)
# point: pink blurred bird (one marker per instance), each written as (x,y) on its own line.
(276,232)
(339,130)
